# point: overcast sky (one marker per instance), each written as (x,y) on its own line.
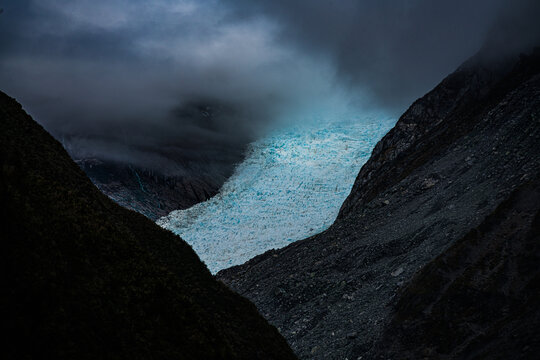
(113,69)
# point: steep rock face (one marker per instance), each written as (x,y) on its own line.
(155,171)
(148,191)
(433,123)
(450,161)
(86,279)
(480,298)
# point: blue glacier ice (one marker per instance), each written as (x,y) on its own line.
(290,186)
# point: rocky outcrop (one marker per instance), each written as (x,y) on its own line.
(452,159)
(155,171)
(478,299)
(84,278)
(148,191)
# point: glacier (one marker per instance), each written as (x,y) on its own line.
(290,186)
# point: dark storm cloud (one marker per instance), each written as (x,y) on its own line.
(132,79)
(516,29)
(121,73)
(398,49)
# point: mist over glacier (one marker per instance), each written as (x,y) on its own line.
(113,74)
(290,186)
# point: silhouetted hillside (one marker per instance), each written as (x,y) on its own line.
(85,278)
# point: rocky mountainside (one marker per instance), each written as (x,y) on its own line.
(480,298)
(85,278)
(154,173)
(435,251)
(148,191)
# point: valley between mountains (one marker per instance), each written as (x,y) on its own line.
(434,253)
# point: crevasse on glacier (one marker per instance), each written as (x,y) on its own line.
(290,186)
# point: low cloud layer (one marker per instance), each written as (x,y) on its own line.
(172,82)
(397,50)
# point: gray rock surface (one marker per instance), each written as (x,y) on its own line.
(480,298)
(148,191)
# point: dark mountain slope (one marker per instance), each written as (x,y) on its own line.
(155,170)
(453,157)
(155,173)
(148,191)
(85,278)
(481,297)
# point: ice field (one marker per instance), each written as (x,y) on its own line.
(290,186)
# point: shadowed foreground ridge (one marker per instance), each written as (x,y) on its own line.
(435,252)
(85,278)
